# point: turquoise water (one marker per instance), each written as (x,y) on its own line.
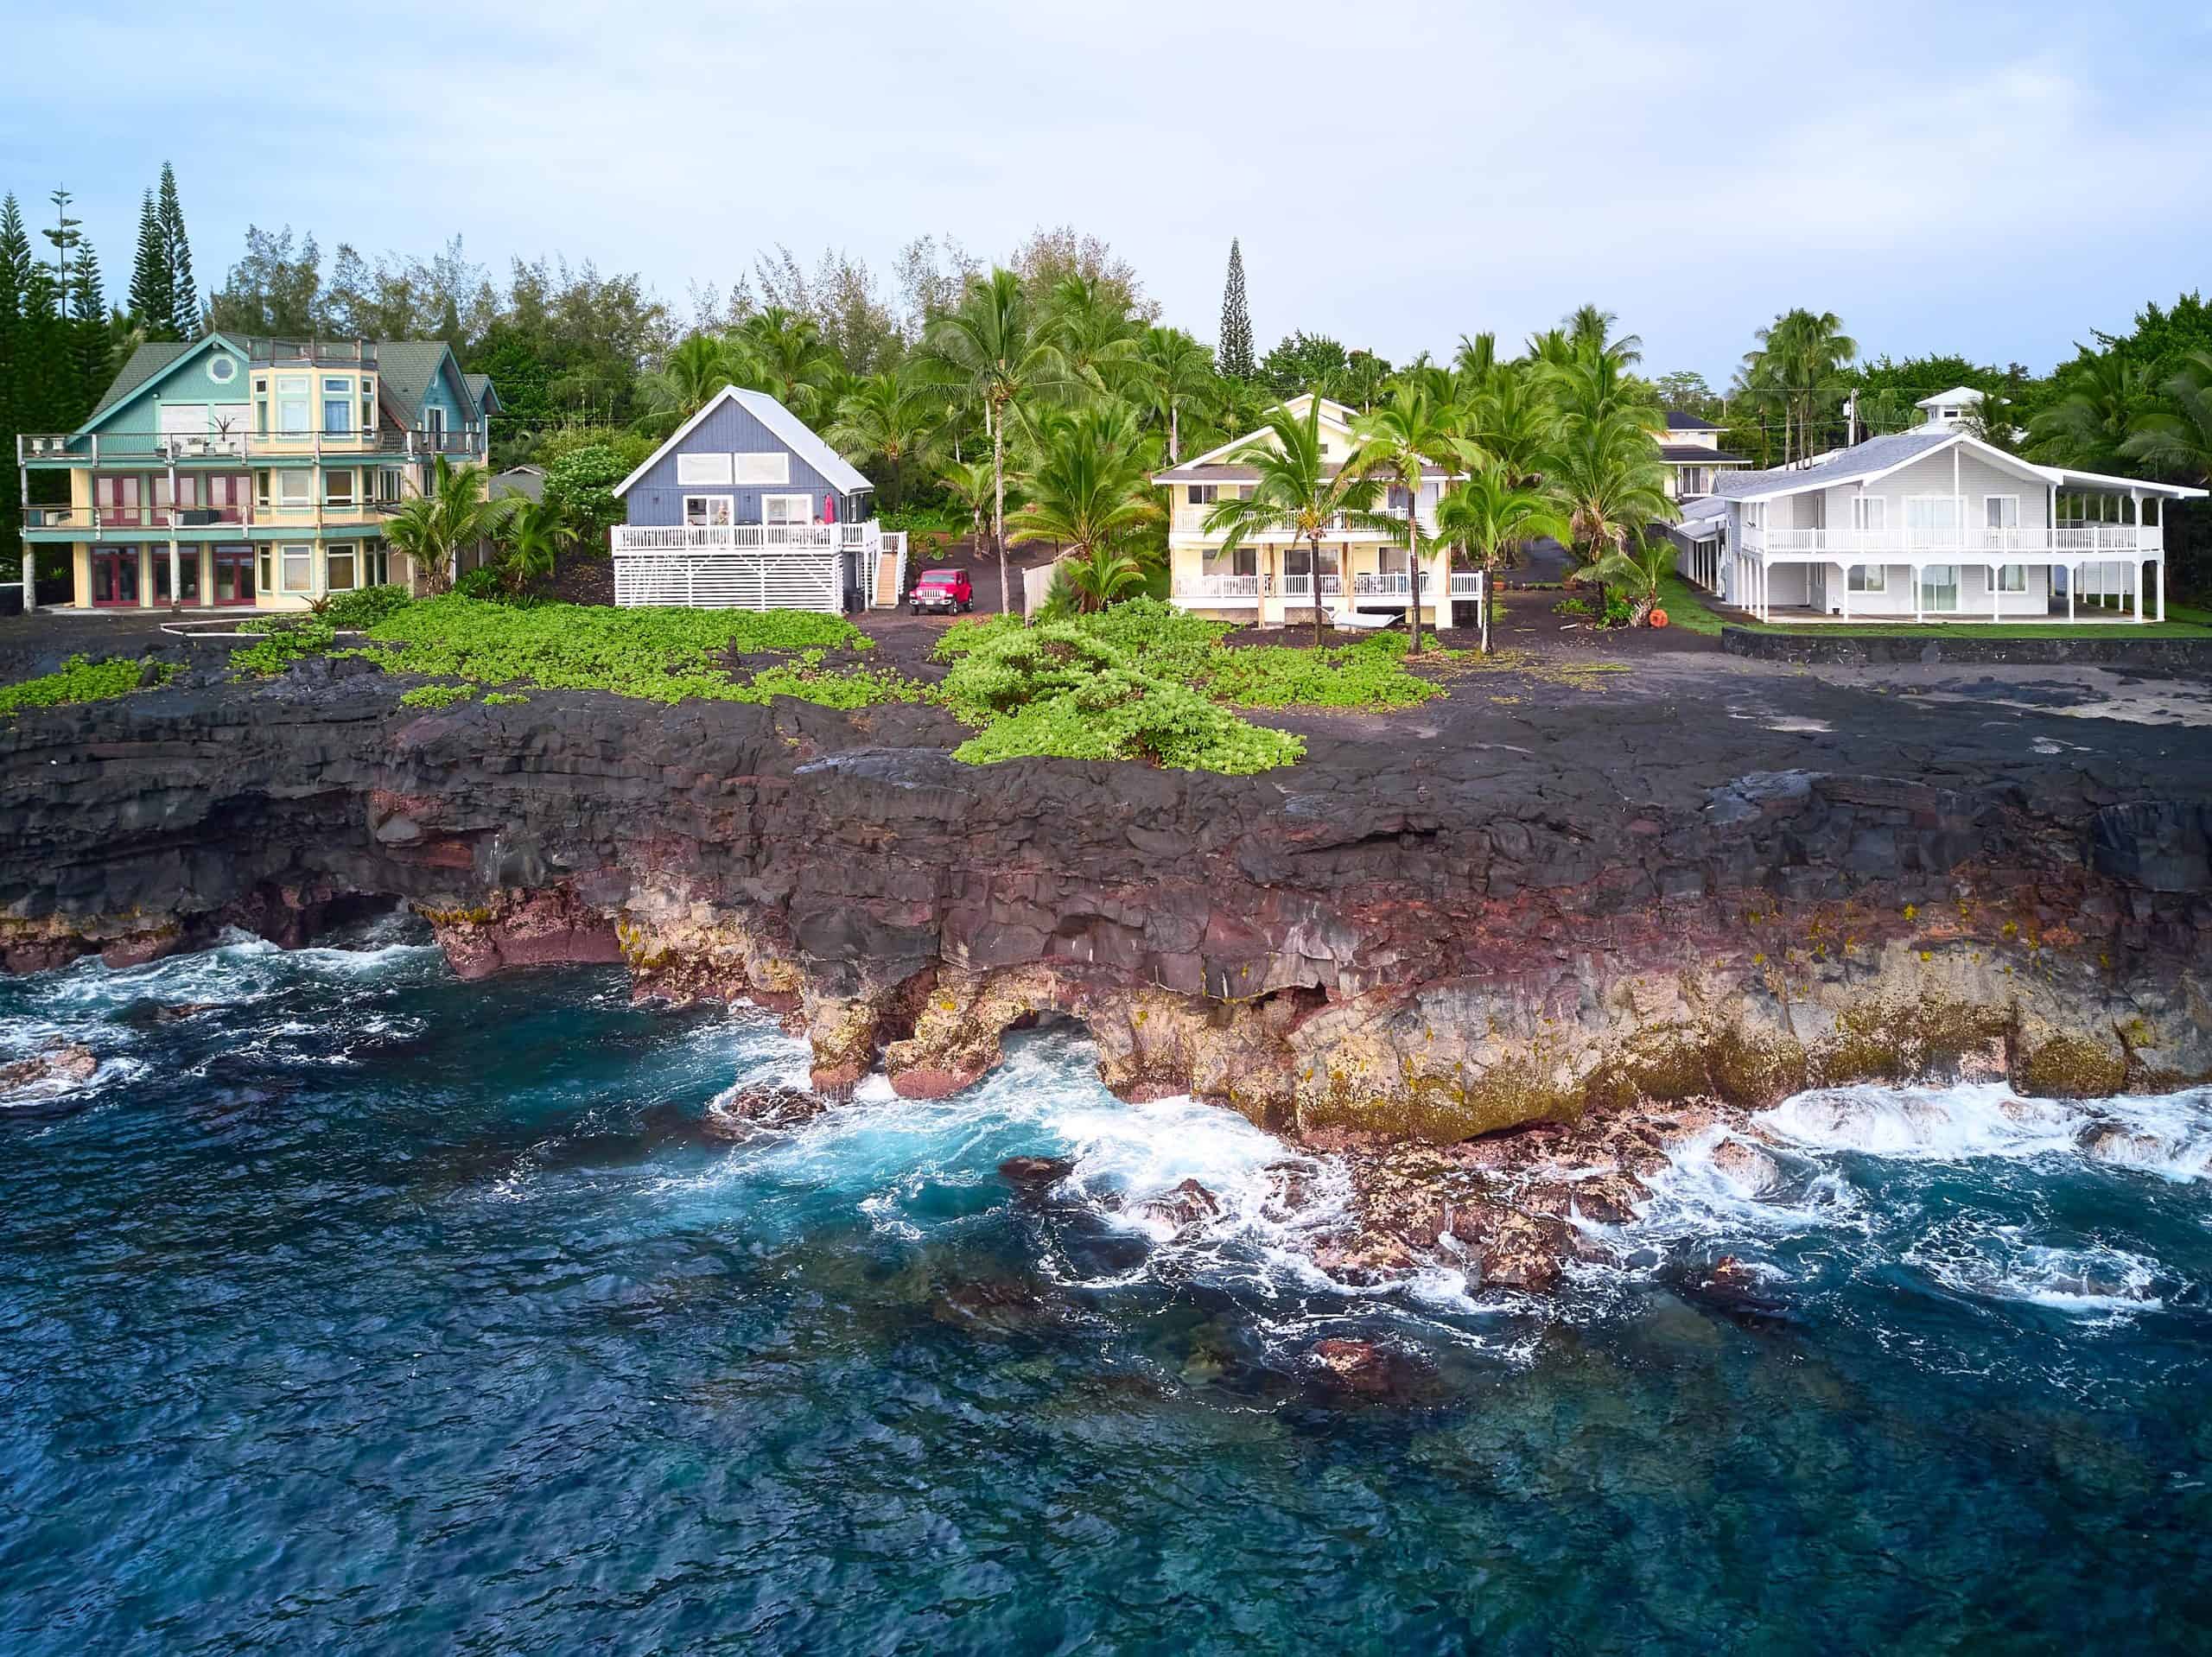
(373,1312)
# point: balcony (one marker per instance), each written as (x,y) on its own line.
(149,449)
(2067,541)
(741,538)
(315,353)
(1219,589)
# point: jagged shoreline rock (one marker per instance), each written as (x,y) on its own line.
(1514,919)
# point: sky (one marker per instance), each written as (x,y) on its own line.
(1994,180)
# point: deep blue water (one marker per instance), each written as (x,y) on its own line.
(372,1311)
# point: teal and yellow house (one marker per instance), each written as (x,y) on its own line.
(253,472)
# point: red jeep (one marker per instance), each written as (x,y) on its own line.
(942,589)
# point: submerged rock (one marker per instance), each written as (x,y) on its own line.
(63,1066)
(1183,1206)
(1034,1172)
(742,1113)
(1746,1166)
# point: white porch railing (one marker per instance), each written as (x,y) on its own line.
(747,566)
(2068,540)
(1219,589)
(740,537)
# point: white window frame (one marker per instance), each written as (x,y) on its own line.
(2011,578)
(1204,494)
(1957,584)
(716,511)
(2012,501)
(286,553)
(1867,578)
(287,499)
(330,497)
(766,469)
(770,503)
(703,471)
(230,369)
(302,397)
(1956,508)
(1870,515)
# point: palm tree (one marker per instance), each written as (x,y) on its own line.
(692,374)
(1513,421)
(1297,491)
(1395,440)
(886,416)
(996,349)
(1607,478)
(1090,320)
(533,535)
(784,354)
(1177,372)
(1491,512)
(2103,394)
(1099,578)
(433,528)
(2176,436)
(970,484)
(1638,571)
(1797,365)
(1090,488)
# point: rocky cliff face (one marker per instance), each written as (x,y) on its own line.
(1443,924)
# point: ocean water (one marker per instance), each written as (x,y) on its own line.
(369,1310)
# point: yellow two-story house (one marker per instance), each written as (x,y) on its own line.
(251,472)
(1364,575)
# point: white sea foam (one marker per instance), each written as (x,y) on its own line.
(1972,1256)
(2167,1134)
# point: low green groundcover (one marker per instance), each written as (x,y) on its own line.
(80,679)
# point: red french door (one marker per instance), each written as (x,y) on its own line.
(187,573)
(233,575)
(119,499)
(115,575)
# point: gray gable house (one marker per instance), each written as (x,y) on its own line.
(747,507)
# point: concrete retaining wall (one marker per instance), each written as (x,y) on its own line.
(2191,656)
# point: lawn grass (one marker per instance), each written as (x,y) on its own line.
(1685,607)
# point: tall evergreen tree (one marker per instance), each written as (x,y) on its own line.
(152,290)
(92,342)
(15,271)
(184,310)
(1235,353)
(65,235)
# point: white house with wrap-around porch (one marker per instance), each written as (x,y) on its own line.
(1931,524)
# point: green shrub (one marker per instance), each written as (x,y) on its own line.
(1056,691)
(504,698)
(80,679)
(363,607)
(667,656)
(284,641)
(482,582)
(436,695)
(970,633)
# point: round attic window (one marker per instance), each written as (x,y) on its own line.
(222,370)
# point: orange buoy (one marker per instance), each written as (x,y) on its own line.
(1658,618)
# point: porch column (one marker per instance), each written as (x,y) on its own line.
(1918,614)
(2159,565)
(176,588)
(22,541)
(1996,599)
(2072,581)
(1843,586)
(2135,563)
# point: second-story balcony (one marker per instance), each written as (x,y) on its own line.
(163,449)
(130,522)
(741,538)
(1937,543)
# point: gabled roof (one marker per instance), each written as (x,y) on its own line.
(788,428)
(406,369)
(1695,455)
(1230,472)
(481,388)
(1683,420)
(1956,394)
(154,361)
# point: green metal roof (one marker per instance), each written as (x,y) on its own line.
(405,369)
(144,364)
